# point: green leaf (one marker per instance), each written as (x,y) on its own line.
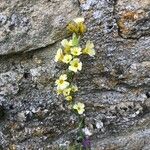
(75,40)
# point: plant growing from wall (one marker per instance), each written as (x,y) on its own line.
(70,54)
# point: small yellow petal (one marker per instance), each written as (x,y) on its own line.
(59,91)
(61,82)
(78,20)
(67,58)
(75,65)
(63,77)
(68,98)
(89,49)
(74,88)
(76,51)
(59,55)
(75,106)
(79,107)
(66,43)
(67,91)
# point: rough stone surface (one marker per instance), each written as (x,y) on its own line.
(114,85)
(27,25)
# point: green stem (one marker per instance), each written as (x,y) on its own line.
(80,127)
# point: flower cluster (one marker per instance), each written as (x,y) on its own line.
(77,26)
(69,53)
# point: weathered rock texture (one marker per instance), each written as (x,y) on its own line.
(115,85)
(32,24)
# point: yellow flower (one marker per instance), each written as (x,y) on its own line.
(76,51)
(59,55)
(89,49)
(75,65)
(77,26)
(67,58)
(78,20)
(67,91)
(67,45)
(79,107)
(61,82)
(80,24)
(59,91)
(68,98)
(74,88)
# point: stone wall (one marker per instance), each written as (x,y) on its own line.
(115,85)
